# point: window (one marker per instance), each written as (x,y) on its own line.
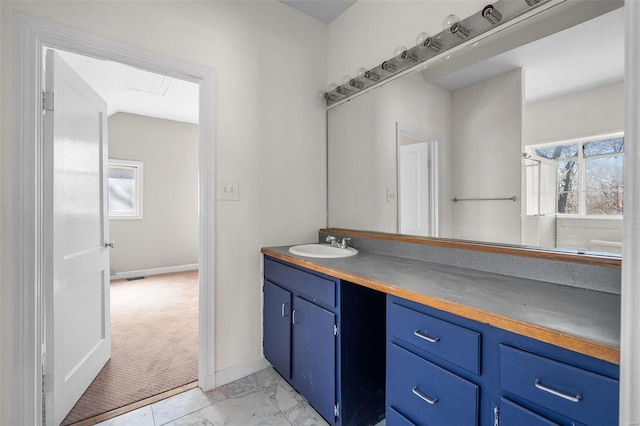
(588,175)
(125,189)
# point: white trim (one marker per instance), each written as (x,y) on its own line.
(31,35)
(153,271)
(630,297)
(236,372)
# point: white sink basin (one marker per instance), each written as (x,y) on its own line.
(322,250)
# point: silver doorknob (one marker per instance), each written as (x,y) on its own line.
(111,244)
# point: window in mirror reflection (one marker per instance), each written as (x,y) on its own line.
(588,177)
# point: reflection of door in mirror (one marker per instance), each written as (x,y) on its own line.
(417,181)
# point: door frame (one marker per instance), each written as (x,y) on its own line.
(32,253)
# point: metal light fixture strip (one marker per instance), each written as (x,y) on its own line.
(479,28)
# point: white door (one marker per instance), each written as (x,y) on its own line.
(413,189)
(78,338)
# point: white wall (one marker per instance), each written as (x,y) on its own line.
(270,62)
(369,32)
(168,233)
(362,151)
(486,158)
(590,112)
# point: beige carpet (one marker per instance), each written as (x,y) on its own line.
(154,335)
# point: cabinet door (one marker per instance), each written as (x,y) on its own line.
(277,328)
(314,356)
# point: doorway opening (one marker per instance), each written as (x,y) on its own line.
(152,217)
(32,283)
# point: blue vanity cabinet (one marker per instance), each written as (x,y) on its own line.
(433,367)
(326,337)
(447,370)
(277,327)
(314,355)
(550,387)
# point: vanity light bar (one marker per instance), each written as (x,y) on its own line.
(454,33)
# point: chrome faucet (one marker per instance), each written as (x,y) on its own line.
(343,244)
(334,242)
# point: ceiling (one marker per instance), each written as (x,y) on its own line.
(323,10)
(581,57)
(132,90)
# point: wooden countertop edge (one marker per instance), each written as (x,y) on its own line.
(580,345)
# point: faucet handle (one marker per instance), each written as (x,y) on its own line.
(343,244)
(331,240)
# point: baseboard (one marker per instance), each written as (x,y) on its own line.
(236,372)
(154,271)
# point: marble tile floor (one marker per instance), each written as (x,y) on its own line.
(263,398)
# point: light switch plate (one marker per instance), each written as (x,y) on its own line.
(391,195)
(228,190)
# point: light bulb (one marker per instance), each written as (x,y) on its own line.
(389,67)
(371,75)
(357,82)
(344,89)
(452,24)
(424,40)
(532,2)
(332,87)
(491,14)
(399,53)
(421,39)
(346,79)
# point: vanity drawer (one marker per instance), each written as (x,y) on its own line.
(450,342)
(319,289)
(396,419)
(428,394)
(573,392)
(513,414)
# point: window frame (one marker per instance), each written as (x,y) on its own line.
(581,160)
(138,190)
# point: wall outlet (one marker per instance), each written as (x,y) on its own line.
(228,190)
(391,195)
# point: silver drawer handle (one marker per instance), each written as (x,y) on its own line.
(555,392)
(423,396)
(426,337)
(293,317)
(282,310)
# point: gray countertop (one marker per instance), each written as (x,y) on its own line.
(587,315)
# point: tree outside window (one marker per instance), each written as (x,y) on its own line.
(589,174)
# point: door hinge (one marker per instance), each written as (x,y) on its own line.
(336,410)
(496,416)
(335,329)
(47,101)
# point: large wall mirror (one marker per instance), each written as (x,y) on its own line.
(525,147)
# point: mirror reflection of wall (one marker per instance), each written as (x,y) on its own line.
(499,121)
